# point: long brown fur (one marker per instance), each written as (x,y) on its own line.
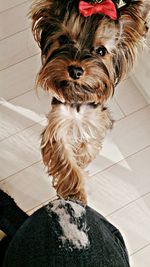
(103,51)
(70,142)
(121,38)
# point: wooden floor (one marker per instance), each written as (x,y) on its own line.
(119,186)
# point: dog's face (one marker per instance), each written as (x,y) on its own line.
(84,58)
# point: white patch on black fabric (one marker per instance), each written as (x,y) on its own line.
(71,218)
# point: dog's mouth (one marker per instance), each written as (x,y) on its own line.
(66,85)
(74,92)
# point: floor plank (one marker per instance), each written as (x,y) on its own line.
(129,98)
(121,184)
(7,4)
(133,221)
(141,258)
(15,118)
(129,135)
(16,17)
(17,48)
(20,78)
(20,151)
(30,187)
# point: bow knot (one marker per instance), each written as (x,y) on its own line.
(106,7)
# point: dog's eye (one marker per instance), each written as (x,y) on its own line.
(63,39)
(101,50)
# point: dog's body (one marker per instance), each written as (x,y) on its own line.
(70,142)
(84,57)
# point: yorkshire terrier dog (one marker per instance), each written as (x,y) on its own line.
(87,48)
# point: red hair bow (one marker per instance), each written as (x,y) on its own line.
(106,7)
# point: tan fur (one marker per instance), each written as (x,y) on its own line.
(67,39)
(121,38)
(70,142)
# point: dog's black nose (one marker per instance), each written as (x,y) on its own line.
(75,72)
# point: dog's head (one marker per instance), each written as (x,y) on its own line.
(84,55)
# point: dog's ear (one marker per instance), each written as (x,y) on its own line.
(44,22)
(39,14)
(133,26)
(133,19)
